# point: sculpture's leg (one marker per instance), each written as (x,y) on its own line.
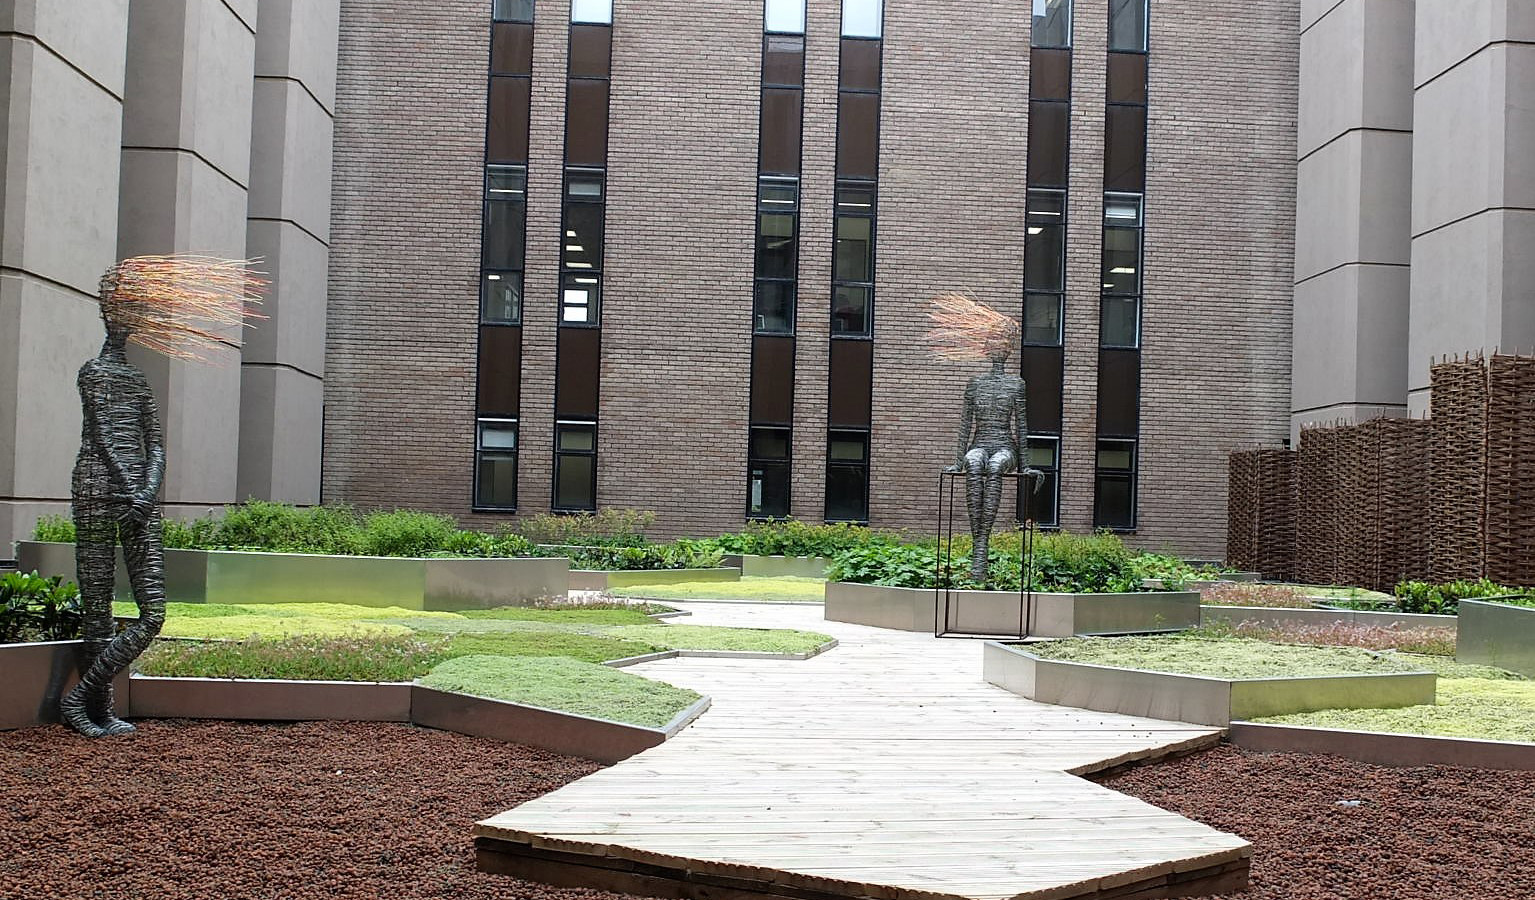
(95,560)
(146,572)
(975,506)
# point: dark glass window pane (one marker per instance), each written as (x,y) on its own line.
(575,482)
(1043,258)
(847,493)
(850,447)
(498,435)
(862,18)
(850,309)
(1049,142)
(504,221)
(1042,506)
(1114,507)
(501,298)
(1125,154)
(1123,210)
(1047,207)
(582,438)
(855,249)
(1050,75)
(777,196)
(507,135)
(1127,78)
(774,312)
(589,50)
(857,199)
(768,491)
(579,299)
(512,49)
(594,11)
(1116,456)
(512,11)
(1052,23)
(496,485)
(858,136)
(584,186)
(783,59)
(1127,24)
(1042,319)
(780,130)
(583,236)
(860,65)
(784,15)
(775,245)
(586,123)
(1121,260)
(769,443)
(1042,453)
(1120,324)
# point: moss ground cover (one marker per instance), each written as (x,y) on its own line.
(1229,658)
(1483,708)
(1432,640)
(564,684)
(702,637)
(784,589)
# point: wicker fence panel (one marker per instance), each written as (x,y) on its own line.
(1359,497)
(1242,509)
(1510,471)
(1458,469)
(1274,527)
(1403,538)
(1321,506)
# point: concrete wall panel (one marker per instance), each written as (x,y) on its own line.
(1458,144)
(1455,289)
(1332,76)
(293,331)
(1353,203)
(87,33)
(290,157)
(297,40)
(280,412)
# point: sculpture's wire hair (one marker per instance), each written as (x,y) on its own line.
(966,329)
(181,305)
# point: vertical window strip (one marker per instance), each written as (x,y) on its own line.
(502,256)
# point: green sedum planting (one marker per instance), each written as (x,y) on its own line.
(307,658)
(1230,658)
(1486,709)
(244,626)
(703,637)
(785,589)
(564,684)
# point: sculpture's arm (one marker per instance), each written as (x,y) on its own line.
(1021,424)
(966,430)
(95,396)
(154,449)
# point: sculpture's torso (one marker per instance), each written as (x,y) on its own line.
(121,397)
(993,399)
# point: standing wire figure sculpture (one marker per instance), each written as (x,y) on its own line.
(994,425)
(178,306)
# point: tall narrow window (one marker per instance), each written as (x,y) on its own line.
(1114,502)
(503,255)
(1052,23)
(847,476)
(1127,25)
(1043,505)
(575,466)
(1044,267)
(775,283)
(1120,324)
(853,264)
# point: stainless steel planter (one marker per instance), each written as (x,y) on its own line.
(996,612)
(1496,634)
(33,676)
(607,579)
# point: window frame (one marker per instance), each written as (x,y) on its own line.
(1031,222)
(866,437)
(872,215)
(1145,47)
(481,452)
(786,463)
(1129,476)
(568,272)
(1053,475)
(560,455)
(1106,293)
(1071,24)
(497,16)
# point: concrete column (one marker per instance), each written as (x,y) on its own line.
(61,112)
(1354,193)
(1473,211)
(186,154)
(283,363)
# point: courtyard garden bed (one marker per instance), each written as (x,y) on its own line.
(748,589)
(1498,634)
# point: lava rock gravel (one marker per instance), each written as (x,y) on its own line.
(231,811)
(1324,828)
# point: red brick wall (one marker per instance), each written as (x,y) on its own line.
(676,323)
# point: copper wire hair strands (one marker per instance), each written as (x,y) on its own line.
(179,305)
(965,329)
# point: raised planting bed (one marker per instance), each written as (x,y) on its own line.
(34,676)
(750,589)
(1236,615)
(997,612)
(1201,699)
(608,579)
(1384,748)
(1497,634)
(238,577)
(778,566)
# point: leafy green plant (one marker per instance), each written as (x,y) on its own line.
(681,554)
(612,527)
(407,532)
(791,537)
(1444,599)
(54,529)
(34,608)
(1173,572)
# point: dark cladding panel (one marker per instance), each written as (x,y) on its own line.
(1042,371)
(852,374)
(580,364)
(589,50)
(1050,75)
(512,49)
(858,136)
(586,123)
(772,401)
(500,370)
(781,131)
(507,140)
(1119,393)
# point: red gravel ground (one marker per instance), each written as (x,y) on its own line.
(224,811)
(1435,833)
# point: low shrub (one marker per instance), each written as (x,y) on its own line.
(34,608)
(611,527)
(408,532)
(1064,563)
(791,537)
(1173,572)
(681,554)
(54,529)
(1444,599)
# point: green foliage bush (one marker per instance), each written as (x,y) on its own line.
(606,527)
(34,608)
(1174,573)
(682,554)
(1444,599)
(1064,563)
(54,529)
(791,537)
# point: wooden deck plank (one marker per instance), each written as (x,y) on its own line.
(884,769)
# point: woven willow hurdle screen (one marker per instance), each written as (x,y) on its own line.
(1448,497)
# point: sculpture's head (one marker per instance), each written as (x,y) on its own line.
(182,306)
(964,328)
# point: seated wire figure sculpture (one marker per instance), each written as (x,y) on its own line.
(994,425)
(176,306)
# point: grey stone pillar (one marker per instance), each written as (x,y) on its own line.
(1354,193)
(1473,211)
(185,173)
(283,365)
(61,114)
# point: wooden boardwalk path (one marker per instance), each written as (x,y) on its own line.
(885,768)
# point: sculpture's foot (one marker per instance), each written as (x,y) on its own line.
(101,713)
(73,710)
